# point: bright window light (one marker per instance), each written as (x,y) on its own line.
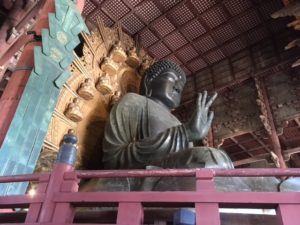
(32,192)
(249,211)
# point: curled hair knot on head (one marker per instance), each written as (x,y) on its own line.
(155,70)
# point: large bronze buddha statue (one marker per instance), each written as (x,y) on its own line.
(142,132)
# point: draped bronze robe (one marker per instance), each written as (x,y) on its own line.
(141,131)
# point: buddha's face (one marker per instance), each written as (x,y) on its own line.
(167,88)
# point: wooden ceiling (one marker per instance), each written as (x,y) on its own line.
(198,35)
(222,45)
(195,34)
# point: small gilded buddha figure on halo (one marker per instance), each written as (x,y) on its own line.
(86,90)
(73,111)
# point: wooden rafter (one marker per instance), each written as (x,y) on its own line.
(260,142)
(241,147)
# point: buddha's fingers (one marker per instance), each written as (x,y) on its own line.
(211,100)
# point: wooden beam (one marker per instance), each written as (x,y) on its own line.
(297,121)
(248,161)
(287,153)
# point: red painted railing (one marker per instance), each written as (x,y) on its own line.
(57,196)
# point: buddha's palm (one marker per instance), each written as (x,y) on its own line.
(200,122)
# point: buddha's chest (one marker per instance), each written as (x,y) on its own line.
(160,119)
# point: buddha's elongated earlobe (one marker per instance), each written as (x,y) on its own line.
(148,92)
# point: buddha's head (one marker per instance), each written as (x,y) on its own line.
(164,81)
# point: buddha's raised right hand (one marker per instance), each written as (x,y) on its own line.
(200,122)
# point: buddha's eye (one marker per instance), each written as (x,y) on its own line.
(177,90)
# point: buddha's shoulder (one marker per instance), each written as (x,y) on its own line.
(133,99)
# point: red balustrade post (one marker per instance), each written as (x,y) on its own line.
(288,214)
(206,213)
(35,208)
(62,212)
(130,213)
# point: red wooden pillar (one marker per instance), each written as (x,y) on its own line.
(130,213)
(80,5)
(269,124)
(288,214)
(40,11)
(206,213)
(14,89)
(210,138)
